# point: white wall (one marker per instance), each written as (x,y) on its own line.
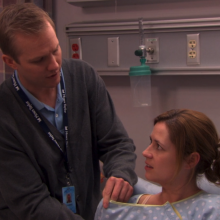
(66,13)
(200,93)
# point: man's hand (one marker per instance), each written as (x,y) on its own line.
(116,189)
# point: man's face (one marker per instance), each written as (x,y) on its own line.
(40,60)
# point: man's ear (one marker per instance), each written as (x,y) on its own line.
(192,160)
(9,61)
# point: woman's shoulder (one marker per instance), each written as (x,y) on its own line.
(211,200)
(200,196)
(203,205)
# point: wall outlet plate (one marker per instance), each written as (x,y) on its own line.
(152,43)
(193,49)
(75,48)
(113,51)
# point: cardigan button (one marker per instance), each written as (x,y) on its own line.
(70,168)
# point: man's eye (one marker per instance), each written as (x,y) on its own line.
(38,61)
(55,51)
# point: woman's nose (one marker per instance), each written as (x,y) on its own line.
(147,152)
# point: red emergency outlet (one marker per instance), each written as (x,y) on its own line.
(75,47)
(75,56)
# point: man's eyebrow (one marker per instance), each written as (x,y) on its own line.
(36,58)
(57,47)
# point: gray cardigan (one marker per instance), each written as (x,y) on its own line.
(32,171)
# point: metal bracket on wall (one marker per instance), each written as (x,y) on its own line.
(152,47)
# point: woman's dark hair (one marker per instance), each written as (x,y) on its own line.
(192,131)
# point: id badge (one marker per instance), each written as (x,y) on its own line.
(69,197)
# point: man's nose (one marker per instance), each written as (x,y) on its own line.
(53,63)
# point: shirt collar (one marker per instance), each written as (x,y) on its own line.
(39,105)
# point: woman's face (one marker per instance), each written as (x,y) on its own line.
(161,156)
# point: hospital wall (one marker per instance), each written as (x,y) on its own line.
(198,90)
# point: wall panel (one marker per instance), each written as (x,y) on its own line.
(198,92)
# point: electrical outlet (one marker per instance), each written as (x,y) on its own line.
(75,48)
(193,49)
(152,47)
(113,51)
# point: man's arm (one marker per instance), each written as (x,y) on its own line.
(116,149)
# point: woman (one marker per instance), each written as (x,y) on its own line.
(183,145)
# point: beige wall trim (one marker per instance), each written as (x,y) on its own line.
(128,27)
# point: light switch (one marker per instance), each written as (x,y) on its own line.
(113,51)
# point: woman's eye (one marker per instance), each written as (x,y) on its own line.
(159,147)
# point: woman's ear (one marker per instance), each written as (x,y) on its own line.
(192,160)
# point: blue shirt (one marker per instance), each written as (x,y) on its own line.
(53,115)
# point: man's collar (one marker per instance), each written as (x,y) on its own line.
(39,105)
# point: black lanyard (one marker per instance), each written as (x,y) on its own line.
(43,125)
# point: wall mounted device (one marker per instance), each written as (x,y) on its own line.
(76,48)
(113,51)
(152,48)
(140,76)
(193,49)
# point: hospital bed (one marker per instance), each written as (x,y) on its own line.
(146,187)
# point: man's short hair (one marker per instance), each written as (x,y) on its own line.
(26,18)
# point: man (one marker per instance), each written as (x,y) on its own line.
(56,122)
